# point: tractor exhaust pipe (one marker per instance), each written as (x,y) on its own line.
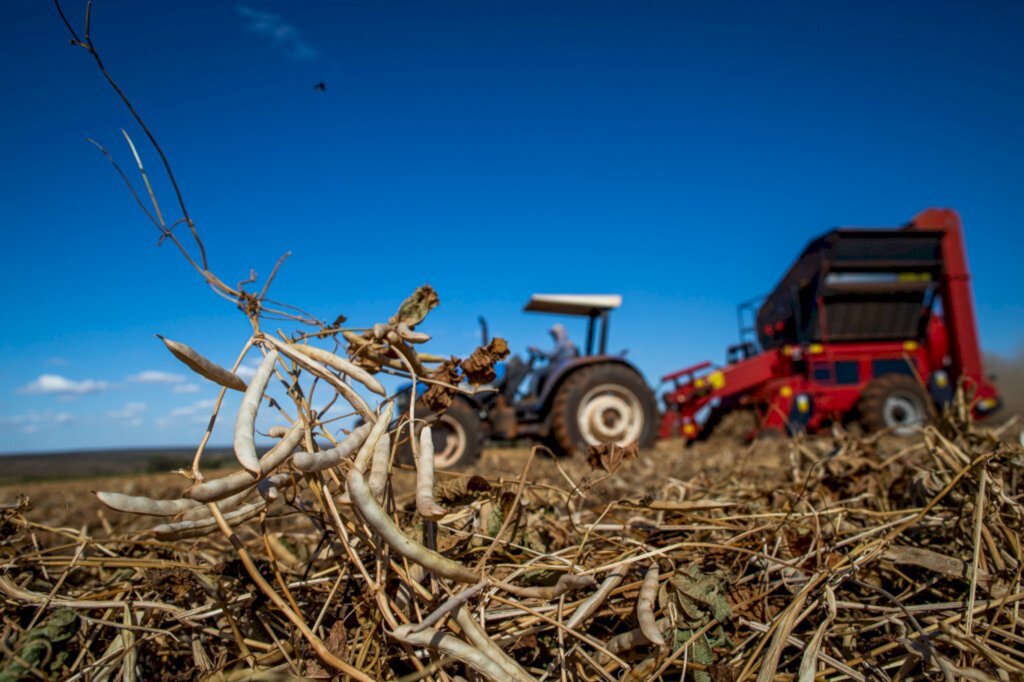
(484,334)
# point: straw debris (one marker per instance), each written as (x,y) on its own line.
(834,557)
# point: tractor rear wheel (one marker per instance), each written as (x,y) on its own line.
(458,437)
(607,403)
(894,402)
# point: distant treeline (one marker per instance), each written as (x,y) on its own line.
(1009,374)
(92,463)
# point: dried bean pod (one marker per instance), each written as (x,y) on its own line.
(318,461)
(566,583)
(219,488)
(137,504)
(411,336)
(342,365)
(203,367)
(430,357)
(378,521)
(645,607)
(452,603)
(227,504)
(406,351)
(478,636)
(632,639)
(454,647)
(270,487)
(594,601)
(365,454)
(378,479)
(355,339)
(193,529)
(245,425)
(314,367)
(427,507)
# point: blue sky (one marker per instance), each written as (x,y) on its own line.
(678,153)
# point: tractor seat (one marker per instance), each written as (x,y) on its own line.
(516,370)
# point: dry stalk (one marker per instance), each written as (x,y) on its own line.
(378,521)
(771,546)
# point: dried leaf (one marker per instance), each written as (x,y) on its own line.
(460,491)
(415,308)
(609,456)
(479,367)
(440,397)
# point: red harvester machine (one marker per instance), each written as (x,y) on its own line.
(868,324)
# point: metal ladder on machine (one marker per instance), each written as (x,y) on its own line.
(746,320)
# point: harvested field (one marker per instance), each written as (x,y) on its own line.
(835,557)
(824,558)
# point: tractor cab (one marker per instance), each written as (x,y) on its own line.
(570,396)
(596,308)
(542,365)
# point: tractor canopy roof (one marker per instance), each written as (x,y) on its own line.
(584,305)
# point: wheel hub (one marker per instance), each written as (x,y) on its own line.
(449,442)
(903,413)
(610,414)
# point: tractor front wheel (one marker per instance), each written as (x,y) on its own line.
(894,402)
(607,403)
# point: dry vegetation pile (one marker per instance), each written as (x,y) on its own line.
(825,558)
(813,558)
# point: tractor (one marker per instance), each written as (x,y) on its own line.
(874,326)
(569,400)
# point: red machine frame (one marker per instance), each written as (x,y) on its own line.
(811,383)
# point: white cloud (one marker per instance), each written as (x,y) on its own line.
(152,376)
(194,408)
(245,372)
(186,388)
(56,384)
(282,34)
(130,413)
(33,422)
(198,413)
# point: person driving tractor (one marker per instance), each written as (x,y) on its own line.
(564,349)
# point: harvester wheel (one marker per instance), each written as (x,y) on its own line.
(608,403)
(894,402)
(457,434)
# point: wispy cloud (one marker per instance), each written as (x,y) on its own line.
(130,414)
(195,408)
(282,34)
(57,385)
(198,412)
(245,372)
(33,422)
(58,361)
(152,376)
(186,388)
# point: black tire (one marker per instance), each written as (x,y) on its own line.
(895,403)
(573,431)
(458,437)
